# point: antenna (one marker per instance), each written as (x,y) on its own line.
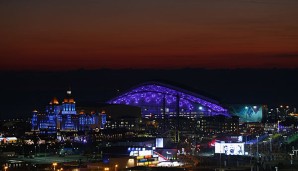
(69,91)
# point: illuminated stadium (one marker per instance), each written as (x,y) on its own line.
(160,100)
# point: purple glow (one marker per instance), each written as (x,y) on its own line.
(151,97)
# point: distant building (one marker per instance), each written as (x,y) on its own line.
(64,118)
(160,100)
(248,112)
(219,124)
(280,113)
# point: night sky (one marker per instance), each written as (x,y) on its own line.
(241,51)
(92,34)
(22,92)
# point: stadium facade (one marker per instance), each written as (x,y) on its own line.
(160,100)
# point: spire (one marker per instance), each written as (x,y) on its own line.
(68,98)
(68,91)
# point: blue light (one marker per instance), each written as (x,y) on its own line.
(152,94)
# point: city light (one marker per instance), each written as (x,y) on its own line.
(147,143)
(155,94)
(54,164)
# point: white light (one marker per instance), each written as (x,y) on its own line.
(230,148)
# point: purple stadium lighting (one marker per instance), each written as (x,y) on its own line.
(153,98)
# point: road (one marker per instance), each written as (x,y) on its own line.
(56,158)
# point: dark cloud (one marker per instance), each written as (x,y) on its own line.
(286,55)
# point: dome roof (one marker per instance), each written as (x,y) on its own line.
(54,101)
(71,100)
(68,98)
(157,94)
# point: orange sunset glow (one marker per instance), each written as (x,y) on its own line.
(60,35)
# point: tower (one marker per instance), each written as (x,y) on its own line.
(34,121)
(103,120)
(52,110)
(68,113)
(68,104)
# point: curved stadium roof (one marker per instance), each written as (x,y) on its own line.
(153,95)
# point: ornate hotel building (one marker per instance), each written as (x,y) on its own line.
(63,117)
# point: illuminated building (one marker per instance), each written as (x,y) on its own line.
(153,102)
(64,118)
(159,100)
(170,110)
(219,124)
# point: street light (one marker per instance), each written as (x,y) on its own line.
(285,137)
(116,166)
(270,152)
(54,164)
(265,149)
(295,151)
(270,140)
(5,168)
(220,159)
(257,147)
(291,157)
(250,151)
(257,152)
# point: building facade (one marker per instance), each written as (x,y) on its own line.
(65,118)
(160,100)
(219,124)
